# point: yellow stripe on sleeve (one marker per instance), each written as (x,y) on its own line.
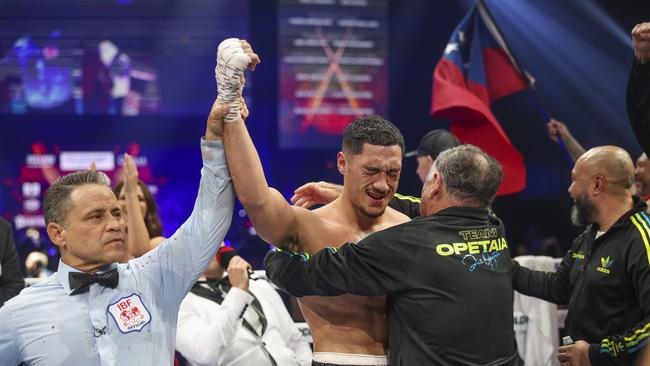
(643,229)
(407,198)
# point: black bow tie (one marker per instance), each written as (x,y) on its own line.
(80,281)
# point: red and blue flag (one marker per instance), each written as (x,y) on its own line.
(476,70)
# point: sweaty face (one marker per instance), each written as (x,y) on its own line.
(372,176)
(642,176)
(93,235)
(141,202)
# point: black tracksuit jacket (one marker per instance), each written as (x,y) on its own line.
(606,282)
(408,205)
(447,281)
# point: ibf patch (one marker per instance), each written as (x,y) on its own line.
(130,314)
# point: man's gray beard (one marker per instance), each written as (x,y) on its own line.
(582,212)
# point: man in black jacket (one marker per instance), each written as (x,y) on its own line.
(605,276)
(11,280)
(446,274)
(638,87)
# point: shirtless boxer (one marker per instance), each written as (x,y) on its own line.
(347,330)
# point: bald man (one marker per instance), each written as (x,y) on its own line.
(605,276)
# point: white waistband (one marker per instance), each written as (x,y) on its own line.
(350,359)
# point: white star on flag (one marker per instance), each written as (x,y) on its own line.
(451,47)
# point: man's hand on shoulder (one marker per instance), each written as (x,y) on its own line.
(316,193)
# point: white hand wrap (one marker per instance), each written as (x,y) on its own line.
(231,63)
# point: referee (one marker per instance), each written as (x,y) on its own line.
(94,311)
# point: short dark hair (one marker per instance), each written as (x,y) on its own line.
(151,218)
(373,130)
(56,203)
(469,174)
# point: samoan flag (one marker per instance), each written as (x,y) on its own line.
(475,71)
